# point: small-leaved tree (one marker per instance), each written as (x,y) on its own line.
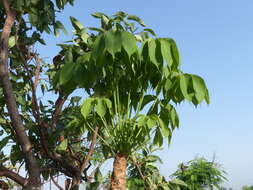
(200,174)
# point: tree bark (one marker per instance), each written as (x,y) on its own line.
(118,179)
(34,181)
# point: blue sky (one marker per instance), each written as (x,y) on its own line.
(215,38)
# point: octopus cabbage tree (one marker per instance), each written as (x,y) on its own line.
(132,81)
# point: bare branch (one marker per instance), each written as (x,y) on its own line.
(37,73)
(55,182)
(92,145)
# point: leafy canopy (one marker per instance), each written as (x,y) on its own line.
(200,174)
(133,81)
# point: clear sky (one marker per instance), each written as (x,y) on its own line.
(215,38)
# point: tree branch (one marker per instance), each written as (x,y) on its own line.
(5,172)
(55,183)
(58,107)
(23,140)
(92,145)
(37,73)
(144,178)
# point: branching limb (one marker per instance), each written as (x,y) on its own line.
(55,182)
(58,107)
(23,140)
(5,172)
(92,145)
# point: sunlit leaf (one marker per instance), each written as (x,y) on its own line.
(87,106)
(129,43)
(137,19)
(76,24)
(62,146)
(100,107)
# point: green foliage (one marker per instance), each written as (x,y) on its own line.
(143,173)
(133,76)
(247,188)
(200,174)
(132,83)
(41,14)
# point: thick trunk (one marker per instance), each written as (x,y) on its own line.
(118,179)
(20,131)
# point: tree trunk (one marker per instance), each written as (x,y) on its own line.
(118,179)
(34,181)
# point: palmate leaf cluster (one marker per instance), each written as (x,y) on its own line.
(134,81)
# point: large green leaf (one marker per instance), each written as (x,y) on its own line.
(59,25)
(87,106)
(137,19)
(185,82)
(101,107)
(165,129)
(76,24)
(98,47)
(142,120)
(129,43)
(158,139)
(166,50)
(199,87)
(59,4)
(66,73)
(175,53)
(152,52)
(98,15)
(62,146)
(113,42)
(12,41)
(149,30)
(4,142)
(68,56)
(108,103)
(152,121)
